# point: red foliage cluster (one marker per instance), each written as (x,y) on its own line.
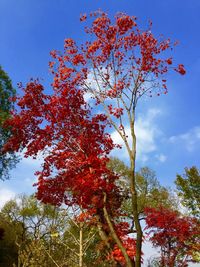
(120,57)
(126,52)
(176,235)
(73,143)
(128,242)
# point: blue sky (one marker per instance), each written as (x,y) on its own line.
(168,126)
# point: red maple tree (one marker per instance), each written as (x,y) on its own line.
(115,68)
(178,237)
(74,146)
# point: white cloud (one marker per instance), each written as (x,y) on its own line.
(95,83)
(145,127)
(161,157)
(146,134)
(190,140)
(87,97)
(91,84)
(5,195)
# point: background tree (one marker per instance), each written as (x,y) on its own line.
(150,191)
(8,246)
(188,186)
(43,235)
(81,239)
(36,218)
(33,254)
(7,92)
(35,223)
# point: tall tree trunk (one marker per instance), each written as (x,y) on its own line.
(134,196)
(137,226)
(81,246)
(129,262)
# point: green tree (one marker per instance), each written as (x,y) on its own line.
(8,246)
(38,222)
(7,160)
(150,192)
(45,235)
(80,239)
(188,186)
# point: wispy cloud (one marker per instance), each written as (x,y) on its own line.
(161,157)
(5,195)
(189,140)
(146,132)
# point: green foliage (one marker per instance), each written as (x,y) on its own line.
(90,241)
(33,255)
(120,168)
(45,235)
(32,224)
(8,246)
(6,92)
(188,186)
(38,219)
(150,192)
(8,160)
